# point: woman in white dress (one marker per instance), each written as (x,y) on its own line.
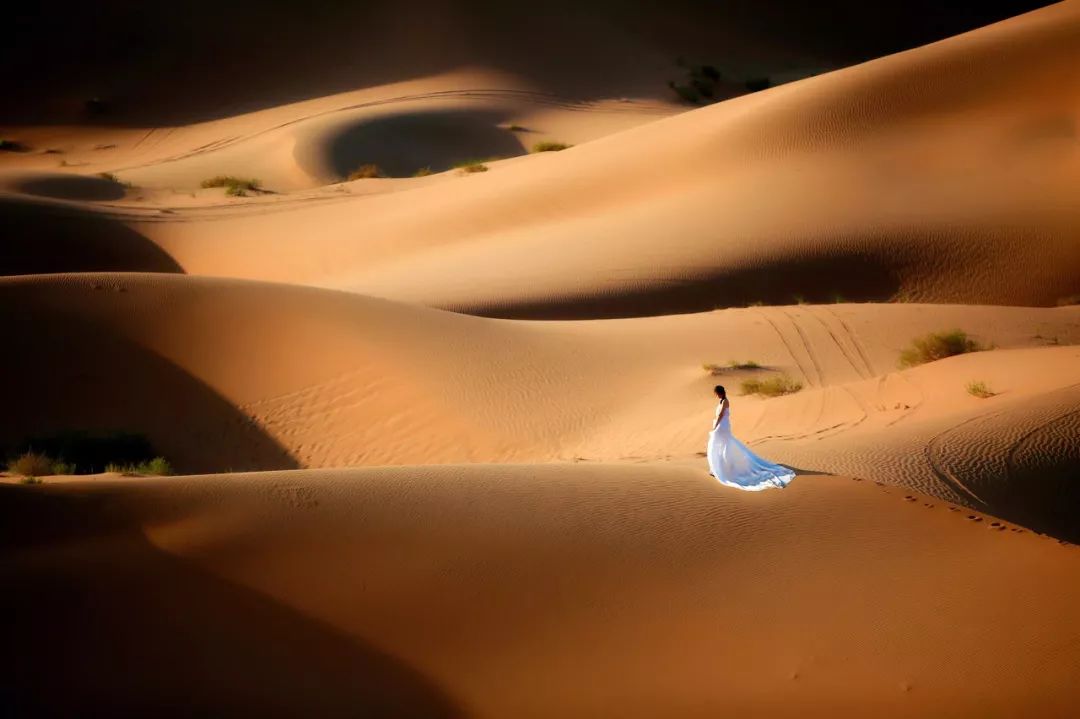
(732,463)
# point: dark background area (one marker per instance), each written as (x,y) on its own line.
(122,61)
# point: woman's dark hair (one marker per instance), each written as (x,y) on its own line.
(720,391)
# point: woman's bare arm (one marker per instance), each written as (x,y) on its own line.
(720,416)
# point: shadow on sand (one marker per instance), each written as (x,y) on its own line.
(99,622)
(85,375)
(43,237)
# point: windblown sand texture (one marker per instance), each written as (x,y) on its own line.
(442,432)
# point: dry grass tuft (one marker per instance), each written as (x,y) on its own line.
(733,365)
(550,146)
(936,346)
(366,172)
(771,386)
(157,467)
(472,167)
(234,186)
(31,464)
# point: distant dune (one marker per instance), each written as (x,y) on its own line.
(943,174)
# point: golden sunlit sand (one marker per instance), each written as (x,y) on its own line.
(439,400)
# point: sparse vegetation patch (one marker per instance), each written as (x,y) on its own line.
(771,386)
(700,85)
(705,84)
(980,390)
(80,453)
(471,166)
(156,467)
(423,172)
(936,346)
(110,177)
(731,366)
(31,464)
(550,146)
(234,186)
(366,172)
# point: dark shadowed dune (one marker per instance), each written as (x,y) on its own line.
(135,631)
(71,373)
(42,238)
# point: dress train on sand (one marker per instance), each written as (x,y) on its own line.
(734,465)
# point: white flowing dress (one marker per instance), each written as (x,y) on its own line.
(734,465)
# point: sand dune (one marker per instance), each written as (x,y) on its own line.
(222,375)
(43,235)
(473,513)
(922,176)
(531,591)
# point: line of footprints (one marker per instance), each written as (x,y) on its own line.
(995,525)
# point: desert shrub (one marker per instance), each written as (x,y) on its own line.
(550,146)
(757,84)
(158,467)
(471,166)
(62,467)
(700,85)
(715,369)
(936,346)
(771,386)
(1068,301)
(91,452)
(423,172)
(366,172)
(980,390)
(234,186)
(110,177)
(31,464)
(30,480)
